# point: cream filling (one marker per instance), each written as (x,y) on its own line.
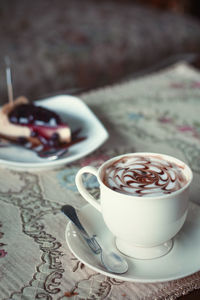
(64,134)
(12,130)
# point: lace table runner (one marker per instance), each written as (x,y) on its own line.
(158,113)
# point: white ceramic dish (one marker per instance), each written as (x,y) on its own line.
(78,115)
(181,261)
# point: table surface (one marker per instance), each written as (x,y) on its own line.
(155,113)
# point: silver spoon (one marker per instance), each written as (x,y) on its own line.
(112,261)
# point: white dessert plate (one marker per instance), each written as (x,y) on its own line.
(181,261)
(78,115)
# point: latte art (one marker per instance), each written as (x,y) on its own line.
(144,176)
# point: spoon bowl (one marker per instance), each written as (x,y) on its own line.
(112,261)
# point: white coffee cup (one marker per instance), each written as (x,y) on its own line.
(143,226)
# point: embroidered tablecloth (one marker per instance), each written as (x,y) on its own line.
(158,113)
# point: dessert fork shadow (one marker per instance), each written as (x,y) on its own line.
(50,154)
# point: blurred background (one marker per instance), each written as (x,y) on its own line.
(70,46)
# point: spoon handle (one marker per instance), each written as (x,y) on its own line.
(70,212)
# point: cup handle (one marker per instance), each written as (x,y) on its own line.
(82,189)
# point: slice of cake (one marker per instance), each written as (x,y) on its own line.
(35,124)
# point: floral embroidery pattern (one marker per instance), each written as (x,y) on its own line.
(78,264)
(66,178)
(3,253)
(182,127)
(32,213)
(165,120)
(186,85)
(135,116)
(96,286)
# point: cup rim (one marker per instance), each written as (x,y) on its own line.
(166,156)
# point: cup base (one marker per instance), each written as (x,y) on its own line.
(143,252)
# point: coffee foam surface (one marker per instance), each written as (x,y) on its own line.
(144,176)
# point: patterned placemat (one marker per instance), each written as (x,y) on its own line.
(158,113)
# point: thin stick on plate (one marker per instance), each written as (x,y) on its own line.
(9,80)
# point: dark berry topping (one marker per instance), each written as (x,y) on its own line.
(29,114)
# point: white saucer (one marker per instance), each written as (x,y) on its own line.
(181,261)
(78,115)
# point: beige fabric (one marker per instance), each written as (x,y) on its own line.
(158,113)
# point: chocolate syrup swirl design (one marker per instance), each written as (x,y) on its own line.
(144,176)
